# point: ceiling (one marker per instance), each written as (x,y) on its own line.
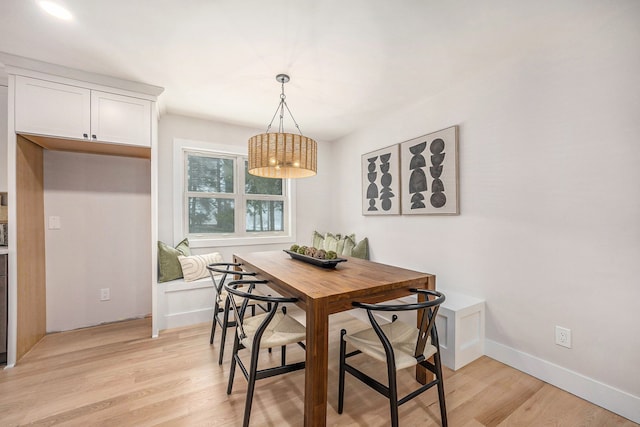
(351,61)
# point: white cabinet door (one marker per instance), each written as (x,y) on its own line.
(120,119)
(53,109)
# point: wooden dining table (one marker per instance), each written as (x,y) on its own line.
(324,291)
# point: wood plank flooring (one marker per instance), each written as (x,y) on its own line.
(115,375)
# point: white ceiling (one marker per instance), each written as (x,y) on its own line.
(350,61)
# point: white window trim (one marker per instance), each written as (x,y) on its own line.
(179,146)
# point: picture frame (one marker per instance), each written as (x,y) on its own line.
(429,174)
(381,181)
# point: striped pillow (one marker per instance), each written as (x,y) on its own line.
(195,267)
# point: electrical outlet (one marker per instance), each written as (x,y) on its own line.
(105,294)
(563,336)
(54,223)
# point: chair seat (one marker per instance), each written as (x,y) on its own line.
(403,338)
(236,298)
(223,298)
(282,330)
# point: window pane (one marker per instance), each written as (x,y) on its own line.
(209,174)
(265,215)
(259,185)
(209,215)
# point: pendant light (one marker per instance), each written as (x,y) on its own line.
(280,154)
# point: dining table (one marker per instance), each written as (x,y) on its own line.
(321,292)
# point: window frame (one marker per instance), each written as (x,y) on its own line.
(240,237)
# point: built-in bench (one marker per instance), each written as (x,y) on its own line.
(183,303)
(460,325)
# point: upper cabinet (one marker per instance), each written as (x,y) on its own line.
(65,111)
(53,109)
(120,119)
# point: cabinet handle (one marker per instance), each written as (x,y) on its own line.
(85,136)
(94,137)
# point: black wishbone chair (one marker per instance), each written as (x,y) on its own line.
(274,328)
(400,346)
(219,272)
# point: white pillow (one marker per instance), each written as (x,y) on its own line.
(194,267)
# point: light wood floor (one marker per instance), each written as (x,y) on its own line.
(115,375)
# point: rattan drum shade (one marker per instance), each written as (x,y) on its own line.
(282,155)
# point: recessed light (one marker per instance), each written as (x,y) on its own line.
(56,10)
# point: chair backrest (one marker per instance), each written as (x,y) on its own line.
(248,287)
(427,312)
(222,269)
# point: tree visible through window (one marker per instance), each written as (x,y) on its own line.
(211,211)
(222,198)
(263,214)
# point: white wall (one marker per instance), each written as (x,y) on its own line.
(549,231)
(104,206)
(312,194)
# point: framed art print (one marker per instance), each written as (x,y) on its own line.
(381,182)
(429,170)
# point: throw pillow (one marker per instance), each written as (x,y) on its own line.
(195,267)
(361,250)
(349,242)
(168,265)
(318,240)
(344,245)
(331,242)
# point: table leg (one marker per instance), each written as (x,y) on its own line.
(317,364)
(423,375)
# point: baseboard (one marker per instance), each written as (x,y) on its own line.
(610,398)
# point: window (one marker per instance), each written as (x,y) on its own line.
(222,200)
(264,202)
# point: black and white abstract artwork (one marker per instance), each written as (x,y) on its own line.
(429,171)
(381,182)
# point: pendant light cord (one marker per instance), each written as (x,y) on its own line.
(281,106)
